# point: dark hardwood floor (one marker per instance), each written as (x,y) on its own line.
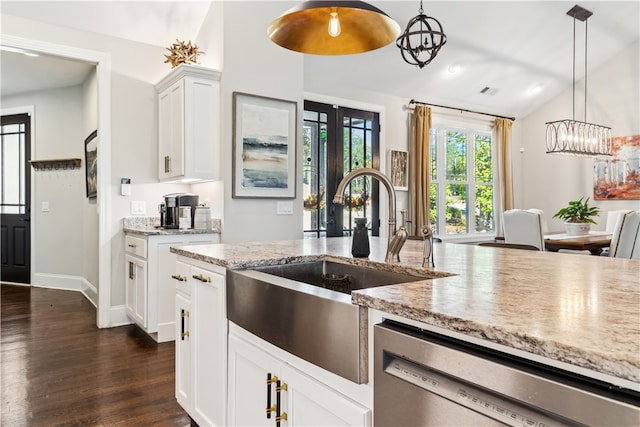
(58,369)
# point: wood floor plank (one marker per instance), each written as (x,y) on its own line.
(58,369)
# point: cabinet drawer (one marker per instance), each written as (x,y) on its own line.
(136,246)
(181,278)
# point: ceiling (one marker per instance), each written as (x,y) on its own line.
(520,50)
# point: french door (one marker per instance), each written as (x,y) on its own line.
(15,197)
(338,140)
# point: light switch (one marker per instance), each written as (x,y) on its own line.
(45,206)
(138,207)
(284,208)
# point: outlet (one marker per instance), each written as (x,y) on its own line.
(284,208)
(138,207)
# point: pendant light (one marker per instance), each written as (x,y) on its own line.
(333,28)
(571,136)
(421,40)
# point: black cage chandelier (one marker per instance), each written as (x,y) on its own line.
(421,40)
(572,136)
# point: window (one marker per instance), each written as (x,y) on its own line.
(461,192)
(14,177)
(336,141)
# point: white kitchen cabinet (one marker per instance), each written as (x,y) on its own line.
(136,289)
(305,401)
(183,350)
(189,125)
(150,290)
(201,341)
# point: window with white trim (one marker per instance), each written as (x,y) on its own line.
(462,188)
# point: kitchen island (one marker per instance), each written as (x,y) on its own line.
(579,313)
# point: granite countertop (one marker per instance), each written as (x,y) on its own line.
(150,226)
(581,310)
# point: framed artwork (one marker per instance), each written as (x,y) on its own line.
(264,147)
(91,163)
(618,177)
(399,169)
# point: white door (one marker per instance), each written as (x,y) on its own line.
(208,327)
(311,403)
(183,352)
(249,394)
(136,289)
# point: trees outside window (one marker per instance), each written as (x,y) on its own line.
(461,192)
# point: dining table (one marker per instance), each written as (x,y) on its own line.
(594,242)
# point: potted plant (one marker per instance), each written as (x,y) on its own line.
(578,216)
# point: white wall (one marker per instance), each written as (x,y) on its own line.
(90,209)
(255,65)
(549,181)
(58,132)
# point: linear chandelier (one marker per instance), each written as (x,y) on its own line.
(571,136)
(333,28)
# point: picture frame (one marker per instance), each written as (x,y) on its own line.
(399,169)
(91,164)
(264,147)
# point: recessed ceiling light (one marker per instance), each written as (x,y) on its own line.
(455,68)
(536,89)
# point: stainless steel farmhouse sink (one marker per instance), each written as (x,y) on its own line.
(305,308)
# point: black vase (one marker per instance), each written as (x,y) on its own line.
(360,242)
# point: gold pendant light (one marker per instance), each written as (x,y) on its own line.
(333,28)
(572,136)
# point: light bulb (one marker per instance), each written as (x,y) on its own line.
(334,25)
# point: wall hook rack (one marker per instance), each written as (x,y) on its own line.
(55,164)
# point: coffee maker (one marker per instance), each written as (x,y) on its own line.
(173,204)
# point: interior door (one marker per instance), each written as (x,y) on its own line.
(15,197)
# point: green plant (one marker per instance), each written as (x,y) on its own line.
(578,211)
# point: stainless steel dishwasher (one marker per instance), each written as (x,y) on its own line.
(426,379)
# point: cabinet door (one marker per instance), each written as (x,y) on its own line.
(136,289)
(183,352)
(208,346)
(247,378)
(171,131)
(311,403)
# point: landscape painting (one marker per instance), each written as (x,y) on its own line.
(264,147)
(618,177)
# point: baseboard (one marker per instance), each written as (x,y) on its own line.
(119,316)
(166,332)
(67,283)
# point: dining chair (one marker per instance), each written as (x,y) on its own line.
(612,217)
(523,227)
(625,236)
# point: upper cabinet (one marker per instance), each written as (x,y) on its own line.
(189,125)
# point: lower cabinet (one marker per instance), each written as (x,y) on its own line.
(267,391)
(150,292)
(201,335)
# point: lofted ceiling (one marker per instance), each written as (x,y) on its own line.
(520,50)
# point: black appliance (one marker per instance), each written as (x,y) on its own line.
(170,209)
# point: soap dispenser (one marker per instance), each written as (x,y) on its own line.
(360,242)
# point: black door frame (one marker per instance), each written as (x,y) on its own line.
(10,271)
(335,167)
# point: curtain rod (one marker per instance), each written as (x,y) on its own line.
(413,101)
